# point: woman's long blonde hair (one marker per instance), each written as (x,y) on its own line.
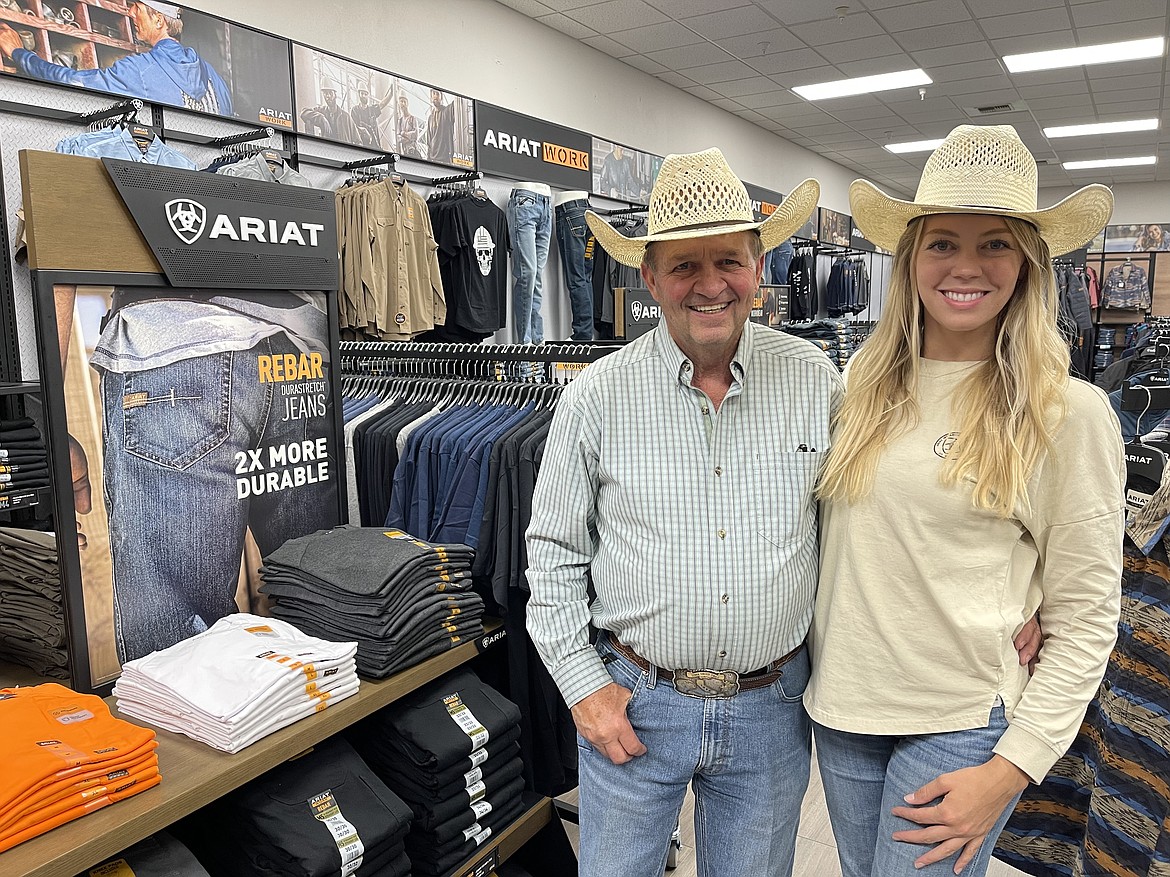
(1006,409)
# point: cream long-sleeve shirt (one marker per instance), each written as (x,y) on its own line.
(921,594)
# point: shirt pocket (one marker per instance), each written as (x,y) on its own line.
(785,498)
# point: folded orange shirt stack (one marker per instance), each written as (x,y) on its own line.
(65,756)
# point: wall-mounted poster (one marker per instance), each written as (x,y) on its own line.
(764,201)
(160,52)
(353,103)
(834,227)
(1147,237)
(192,452)
(623,173)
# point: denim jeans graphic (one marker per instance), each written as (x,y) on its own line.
(530,228)
(575,242)
(747,758)
(175,438)
(866,775)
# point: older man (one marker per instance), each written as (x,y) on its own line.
(678,479)
(168,73)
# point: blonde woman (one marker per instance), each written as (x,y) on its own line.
(970,483)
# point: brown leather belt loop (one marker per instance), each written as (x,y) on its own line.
(728,682)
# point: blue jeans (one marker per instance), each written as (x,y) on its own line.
(778,261)
(747,758)
(866,775)
(576,243)
(530,228)
(176,523)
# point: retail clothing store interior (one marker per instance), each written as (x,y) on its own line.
(290,295)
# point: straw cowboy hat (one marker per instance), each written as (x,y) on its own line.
(982,169)
(698,195)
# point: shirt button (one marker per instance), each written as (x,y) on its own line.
(718,470)
(724,598)
(722,654)
(705,410)
(722,534)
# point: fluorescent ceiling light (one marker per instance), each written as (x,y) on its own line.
(914,146)
(864,84)
(1109,162)
(1102,128)
(1107,53)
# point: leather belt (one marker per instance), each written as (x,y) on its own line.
(709,683)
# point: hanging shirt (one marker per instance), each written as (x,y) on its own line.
(118,143)
(1127,288)
(472,234)
(255,167)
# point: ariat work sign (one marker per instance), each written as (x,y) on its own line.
(524,148)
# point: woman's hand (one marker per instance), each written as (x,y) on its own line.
(972,799)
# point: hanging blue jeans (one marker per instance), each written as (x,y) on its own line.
(530,228)
(576,243)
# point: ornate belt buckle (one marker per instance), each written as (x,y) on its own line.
(706,683)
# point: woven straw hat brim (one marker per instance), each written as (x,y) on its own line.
(1065,226)
(790,215)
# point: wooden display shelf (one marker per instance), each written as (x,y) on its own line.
(194,775)
(82,36)
(12,500)
(505,845)
(16,389)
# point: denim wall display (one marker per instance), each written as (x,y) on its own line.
(576,245)
(530,229)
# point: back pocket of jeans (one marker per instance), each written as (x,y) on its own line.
(176,414)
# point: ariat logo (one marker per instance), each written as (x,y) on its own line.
(943,445)
(187,219)
(134,400)
(640,311)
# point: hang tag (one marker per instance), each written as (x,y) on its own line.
(325,809)
(466,720)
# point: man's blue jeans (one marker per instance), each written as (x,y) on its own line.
(867,775)
(747,758)
(175,440)
(576,243)
(530,228)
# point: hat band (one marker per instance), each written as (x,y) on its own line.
(699,226)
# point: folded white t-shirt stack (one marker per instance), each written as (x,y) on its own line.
(238,681)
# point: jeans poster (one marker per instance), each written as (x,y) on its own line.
(201,436)
(163,53)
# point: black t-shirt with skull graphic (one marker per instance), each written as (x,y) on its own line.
(472,234)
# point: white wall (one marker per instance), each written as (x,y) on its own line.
(489,51)
(1133,202)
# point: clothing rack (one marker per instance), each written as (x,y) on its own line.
(245,137)
(387,158)
(482,361)
(624,211)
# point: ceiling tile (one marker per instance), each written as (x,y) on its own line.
(929,58)
(712,73)
(1055,89)
(869,47)
(668,35)
(796,11)
(807,76)
(676,79)
(646,65)
(531,8)
(1044,104)
(617,15)
(851,115)
(779,98)
(1120,31)
(874,66)
(919,15)
(567,25)
(970,70)
(738,88)
(1117,83)
(975,85)
(1045,77)
(945,35)
(1129,68)
(731,22)
(1041,42)
(1109,11)
(855,26)
(986,8)
(725,103)
(1125,97)
(677,9)
(610,47)
(788,62)
(1024,23)
(689,56)
(701,91)
(563,5)
(764,43)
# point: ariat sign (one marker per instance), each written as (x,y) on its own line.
(525,148)
(188,219)
(640,310)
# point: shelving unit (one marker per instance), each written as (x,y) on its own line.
(101,32)
(195,775)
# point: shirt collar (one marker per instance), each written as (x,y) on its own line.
(681,367)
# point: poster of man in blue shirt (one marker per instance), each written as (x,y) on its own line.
(165,54)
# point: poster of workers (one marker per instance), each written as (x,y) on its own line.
(622,173)
(201,436)
(348,102)
(160,52)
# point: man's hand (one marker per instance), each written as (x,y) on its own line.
(972,800)
(601,719)
(1028,642)
(10,40)
(82,499)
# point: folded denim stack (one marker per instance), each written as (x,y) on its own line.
(24,463)
(323,814)
(65,756)
(32,617)
(237,682)
(451,751)
(158,855)
(403,600)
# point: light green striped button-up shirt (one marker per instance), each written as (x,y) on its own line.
(697,526)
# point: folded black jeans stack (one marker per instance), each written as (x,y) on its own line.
(24,463)
(32,615)
(451,751)
(323,814)
(403,600)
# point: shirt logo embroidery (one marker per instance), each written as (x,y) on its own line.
(943,446)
